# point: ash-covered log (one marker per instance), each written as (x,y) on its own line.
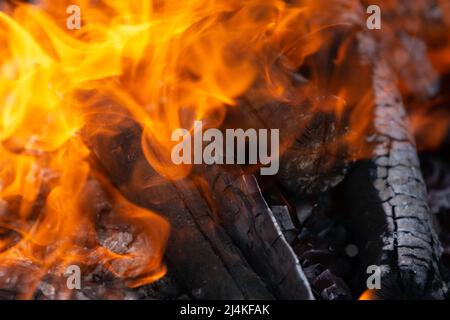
(387,196)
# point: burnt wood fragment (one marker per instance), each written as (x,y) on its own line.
(251,224)
(389,211)
(208,256)
(313,155)
(198,250)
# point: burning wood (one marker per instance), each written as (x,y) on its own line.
(401,237)
(222,150)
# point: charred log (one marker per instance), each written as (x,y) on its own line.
(202,244)
(390,214)
(313,155)
(251,224)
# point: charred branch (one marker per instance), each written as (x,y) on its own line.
(390,214)
(227,233)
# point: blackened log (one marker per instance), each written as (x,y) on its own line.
(207,253)
(200,254)
(245,278)
(387,195)
(318,159)
(313,155)
(251,224)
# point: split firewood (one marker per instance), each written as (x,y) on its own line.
(251,224)
(199,249)
(235,236)
(226,232)
(284,220)
(241,272)
(390,215)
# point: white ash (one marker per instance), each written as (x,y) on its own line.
(118,242)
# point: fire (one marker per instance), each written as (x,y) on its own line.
(369,295)
(166,64)
(47,179)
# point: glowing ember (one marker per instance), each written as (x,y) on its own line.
(369,295)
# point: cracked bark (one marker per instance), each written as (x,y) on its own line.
(251,224)
(390,216)
(210,257)
(198,249)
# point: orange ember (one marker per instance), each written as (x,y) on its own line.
(369,295)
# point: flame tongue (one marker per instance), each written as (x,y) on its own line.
(160,61)
(166,64)
(163,64)
(46,180)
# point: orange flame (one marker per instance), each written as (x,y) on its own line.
(166,63)
(46,177)
(369,294)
